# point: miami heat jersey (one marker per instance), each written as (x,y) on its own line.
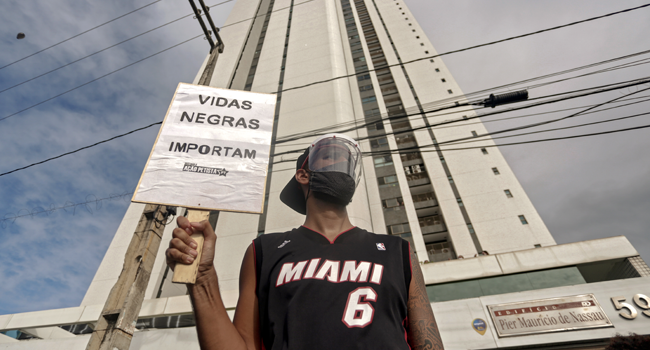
(350,293)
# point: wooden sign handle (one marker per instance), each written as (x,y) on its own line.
(187,273)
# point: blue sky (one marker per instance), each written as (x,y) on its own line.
(583,188)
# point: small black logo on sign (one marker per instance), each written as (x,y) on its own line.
(193,168)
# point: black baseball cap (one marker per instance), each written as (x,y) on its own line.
(292,194)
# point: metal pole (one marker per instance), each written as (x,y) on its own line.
(205,29)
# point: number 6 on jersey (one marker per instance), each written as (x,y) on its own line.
(358,311)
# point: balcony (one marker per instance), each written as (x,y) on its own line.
(441,256)
(417,179)
(425,204)
(440,251)
(432,228)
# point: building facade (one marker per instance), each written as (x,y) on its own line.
(366,68)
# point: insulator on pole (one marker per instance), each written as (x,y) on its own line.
(510,97)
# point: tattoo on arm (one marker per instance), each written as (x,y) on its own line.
(423,330)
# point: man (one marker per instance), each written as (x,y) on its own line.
(324,285)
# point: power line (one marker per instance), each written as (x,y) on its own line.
(556,129)
(105,75)
(300,150)
(528,115)
(35,211)
(470,47)
(419,148)
(106,48)
(82,148)
(11,115)
(546,121)
(354,74)
(430,105)
(606,89)
(74,36)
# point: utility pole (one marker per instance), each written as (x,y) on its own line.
(116,325)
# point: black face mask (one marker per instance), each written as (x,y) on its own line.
(334,187)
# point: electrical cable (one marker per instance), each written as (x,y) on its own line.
(105,75)
(605,89)
(555,129)
(350,75)
(11,115)
(420,150)
(106,48)
(74,36)
(82,148)
(546,121)
(467,48)
(53,208)
(437,103)
(291,151)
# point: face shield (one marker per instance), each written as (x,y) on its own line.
(336,153)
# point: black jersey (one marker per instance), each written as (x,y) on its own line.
(350,293)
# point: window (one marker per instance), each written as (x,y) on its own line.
(426,52)
(421,44)
(414,169)
(442,159)
(470,228)
(422,197)
(365,88)
(495,171)
(443,80)
(429,220)
(359,59)
(417,37)
(437,70)
(450,92)
(474,133)
(451,180)
(383,161)
(523,220)
(363,77)
(538,245)
(368,99)
(410,156)
(387,180)
(460,202)
(371,112)
(377,126)
(393,203)
(484,151)
(508,194)
(465,117)
(378,142)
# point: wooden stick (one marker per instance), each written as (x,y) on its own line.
(187,273)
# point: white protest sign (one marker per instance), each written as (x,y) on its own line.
(212,151)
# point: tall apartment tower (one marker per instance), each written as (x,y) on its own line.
(364,67)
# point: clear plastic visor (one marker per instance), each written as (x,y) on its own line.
(336,154)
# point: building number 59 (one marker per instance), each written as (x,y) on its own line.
(640,300)
(358,311)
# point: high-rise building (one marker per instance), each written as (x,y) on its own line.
(365,68)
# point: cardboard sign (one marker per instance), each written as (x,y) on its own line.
(212,151)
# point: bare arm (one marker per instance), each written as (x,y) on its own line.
(214,328)
(423,330)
